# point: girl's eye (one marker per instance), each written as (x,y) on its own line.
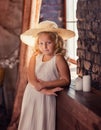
(40,43)
(48,42)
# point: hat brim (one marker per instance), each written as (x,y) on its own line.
(28,37)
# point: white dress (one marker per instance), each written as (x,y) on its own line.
(38,110)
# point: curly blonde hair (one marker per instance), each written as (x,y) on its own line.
(59,48)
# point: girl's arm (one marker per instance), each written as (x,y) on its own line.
(34,81)
(31,74)
(64,73)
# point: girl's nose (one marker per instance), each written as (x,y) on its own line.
(45,45)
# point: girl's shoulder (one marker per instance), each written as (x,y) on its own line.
(60,58)
(36,55)
(33,57)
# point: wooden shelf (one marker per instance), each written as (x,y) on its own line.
(77,110)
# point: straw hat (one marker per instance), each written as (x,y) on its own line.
(28,36)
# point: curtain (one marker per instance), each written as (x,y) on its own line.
(31,13)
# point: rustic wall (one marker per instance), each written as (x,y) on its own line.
(89,41)
(10,26)
(10,29)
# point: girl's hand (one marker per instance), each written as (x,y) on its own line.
(40,85)
(51,91)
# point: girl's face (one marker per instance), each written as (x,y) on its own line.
(46,45)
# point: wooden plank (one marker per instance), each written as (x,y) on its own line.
(83,108)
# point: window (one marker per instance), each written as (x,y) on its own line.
(71,23)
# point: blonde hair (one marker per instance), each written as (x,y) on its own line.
(59,49)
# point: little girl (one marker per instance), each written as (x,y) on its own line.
(48,73)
